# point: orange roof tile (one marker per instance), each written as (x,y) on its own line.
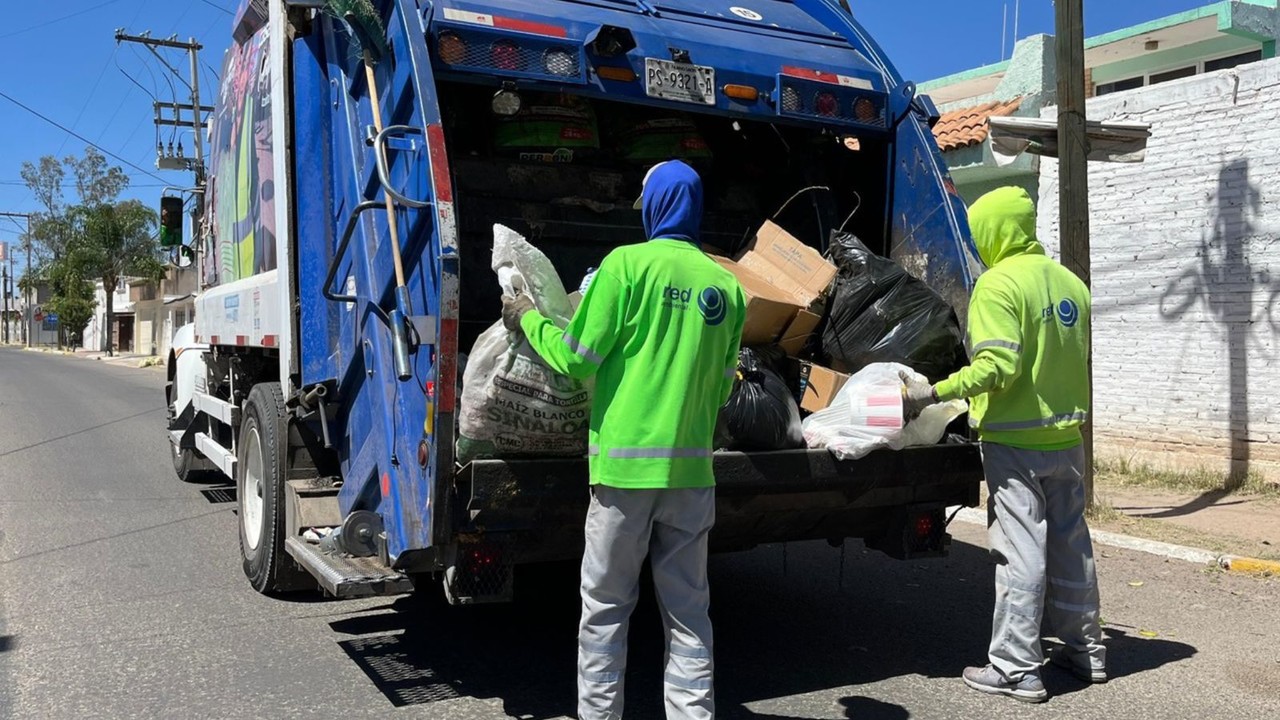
(968,126)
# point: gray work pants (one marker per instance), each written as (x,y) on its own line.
(671,527)
(1044,557)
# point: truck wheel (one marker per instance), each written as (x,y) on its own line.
(260,476)
(184,464)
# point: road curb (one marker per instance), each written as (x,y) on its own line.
(137,362)
(1249,566)
(1198,556)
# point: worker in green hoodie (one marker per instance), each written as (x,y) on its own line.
(1028,386)
(659,329)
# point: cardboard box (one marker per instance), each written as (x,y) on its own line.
(797,333)
(781,277)
(820,386)
(787,264)
(769,312)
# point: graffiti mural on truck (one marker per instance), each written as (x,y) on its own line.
(242,182)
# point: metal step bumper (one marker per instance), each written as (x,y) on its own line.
(348,577)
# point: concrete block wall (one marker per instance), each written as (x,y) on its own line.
(1186,274)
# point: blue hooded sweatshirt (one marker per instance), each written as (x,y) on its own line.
(659,327)
(672,203)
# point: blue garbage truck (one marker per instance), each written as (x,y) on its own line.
(360,154)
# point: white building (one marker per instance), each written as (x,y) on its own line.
(145,315)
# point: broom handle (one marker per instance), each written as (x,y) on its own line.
(391,210)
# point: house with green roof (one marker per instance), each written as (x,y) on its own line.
(1212,38)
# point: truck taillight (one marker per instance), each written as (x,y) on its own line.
(560,62)
(506,55)
(452,49)
(791,100)
(924,527)
(866,111)
(913,534)
(481,573)
(826,105)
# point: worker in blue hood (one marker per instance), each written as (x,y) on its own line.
(659,328)
(671,202)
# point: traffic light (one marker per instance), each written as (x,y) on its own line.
(170,222)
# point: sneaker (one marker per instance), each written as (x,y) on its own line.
(1066,660)
(990,680)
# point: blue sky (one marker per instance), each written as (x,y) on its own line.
(65,64)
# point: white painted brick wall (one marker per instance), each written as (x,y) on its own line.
(1186,273)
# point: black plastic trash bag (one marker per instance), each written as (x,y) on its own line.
(761,413)
(879,313)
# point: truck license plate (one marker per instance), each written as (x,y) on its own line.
(678,81)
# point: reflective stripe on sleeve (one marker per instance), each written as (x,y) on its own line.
(1032,424)
(657,453)
(997,344)
(582,350)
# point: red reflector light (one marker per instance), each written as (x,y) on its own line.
(483,556)
(826,104)
(506,55)
(924,526)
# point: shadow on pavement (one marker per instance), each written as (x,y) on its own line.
(865,708)
(1126,656)
(7,643)
(788,620)
(1205,500)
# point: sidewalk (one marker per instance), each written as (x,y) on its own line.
(1236,524)
(123,360)
(1212,523)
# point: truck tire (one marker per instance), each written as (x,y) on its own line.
(185,465)
(260,477)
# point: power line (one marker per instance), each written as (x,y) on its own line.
(217,7)
(88,98)
(80,137)
(47,23)
(124,98)
(135,82)
(172,31)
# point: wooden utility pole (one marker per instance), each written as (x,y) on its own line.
(1073,169)
(26,244)
(4,286)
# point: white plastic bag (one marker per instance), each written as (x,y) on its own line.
(867,414)
(512,403)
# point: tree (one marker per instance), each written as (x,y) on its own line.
(45,182)
(46,229)
(72,300)
(69,258)
(29,282)
(113,241)
(96,182)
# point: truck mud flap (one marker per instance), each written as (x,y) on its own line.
(760,497)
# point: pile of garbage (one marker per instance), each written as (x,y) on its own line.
(824,341)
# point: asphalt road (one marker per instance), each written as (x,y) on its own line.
(121,595)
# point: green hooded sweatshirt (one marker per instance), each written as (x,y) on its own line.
(1029,320)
